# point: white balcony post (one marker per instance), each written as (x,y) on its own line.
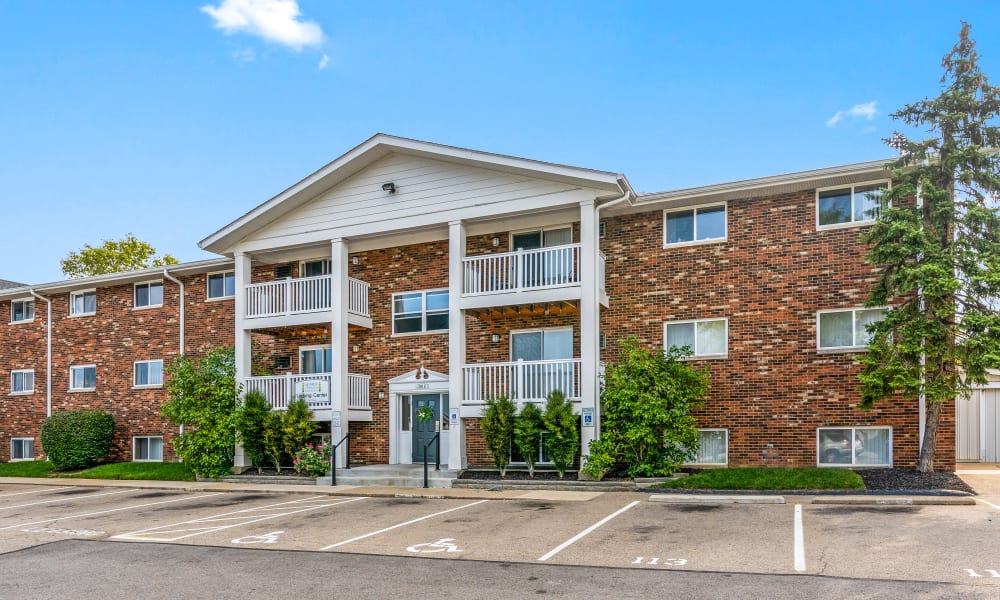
(456,346)
(590,321)
(340,387)
(244,351)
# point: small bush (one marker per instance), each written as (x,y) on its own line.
(497,425)
(528,429)
(77,439)
(563,439)
(251,417)
(272,439)
(297,427)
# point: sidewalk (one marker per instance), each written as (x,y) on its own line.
(983,477)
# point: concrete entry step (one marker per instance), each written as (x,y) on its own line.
(392,475)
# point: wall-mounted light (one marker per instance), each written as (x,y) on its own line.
(495,337)
(381,395)
(496,241)
(389,187)
(355,260)
(356,347)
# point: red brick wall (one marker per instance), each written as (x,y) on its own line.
(112,339)
(769,278)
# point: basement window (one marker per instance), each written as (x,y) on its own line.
(713,447)
(147,449)
(22,449)
(854,446)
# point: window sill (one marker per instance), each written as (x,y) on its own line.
(28,393)
(151,386)
(705,357)
(22,321)
(220,298)
(77,315)
(147,460)
(32,459)
(147,307)
(82,390)
(850,225)
(418,333)
(841,350)
(695,243)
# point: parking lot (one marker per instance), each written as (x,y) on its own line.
(951,544)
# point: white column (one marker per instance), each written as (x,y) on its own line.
(456,345)
(244,351)
(590,319)
(340,387)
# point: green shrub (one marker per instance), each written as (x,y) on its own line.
(251,417)
(273,448)
(646,404)
(563,439)
(77,439)
(497,426)
(297,427)
(528,429)
(203,398)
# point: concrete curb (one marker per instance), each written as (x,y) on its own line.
(715,499)
(896,500)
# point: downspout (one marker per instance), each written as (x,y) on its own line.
(48,353)
(180,284)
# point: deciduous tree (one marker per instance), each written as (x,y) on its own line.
(113,256)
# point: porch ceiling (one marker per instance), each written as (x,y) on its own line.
(566,307)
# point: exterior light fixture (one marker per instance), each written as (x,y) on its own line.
(495,337)
(389,187)
(381,395)
(496,241)
(354,260)
(356,347)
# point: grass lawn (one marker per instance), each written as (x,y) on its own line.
(166,471)
(27,468)
(770,479)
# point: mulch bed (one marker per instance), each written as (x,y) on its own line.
(911,479)
(489,475)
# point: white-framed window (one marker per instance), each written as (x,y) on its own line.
(541,457)
(850,204)
(854,446)
(147,373)
(22,311)
(147,448)
(707,338)
(221,285)
(846,329)
(83,378)
(694,224)
(713,447)
(22,381)
(420,312)
(149,294)
(314,268)
(82,303)
(315,359)
(22,449)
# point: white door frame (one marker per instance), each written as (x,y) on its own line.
(416,382)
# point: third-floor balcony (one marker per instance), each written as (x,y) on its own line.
(525,276)
(293,300)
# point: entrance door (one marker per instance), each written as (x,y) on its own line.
(538,380)
(424,430)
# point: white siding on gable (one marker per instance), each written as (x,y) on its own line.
(428,192)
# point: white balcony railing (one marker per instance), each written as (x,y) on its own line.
(521,381)
(302,295)
(536,269)
(314,388)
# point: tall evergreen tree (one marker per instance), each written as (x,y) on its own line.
(937,241)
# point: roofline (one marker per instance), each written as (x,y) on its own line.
(416,146)
(198,266)
(765,182)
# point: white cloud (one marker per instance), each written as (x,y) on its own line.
(277,21)
(323,62)
(866,111)
(245,55)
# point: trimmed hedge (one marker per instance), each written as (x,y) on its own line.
(77,439)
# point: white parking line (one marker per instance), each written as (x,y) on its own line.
(799,540)
(110,510)
(36,491)
(988,503)
(178,531)
(585,532)
(398,525)
(65,499)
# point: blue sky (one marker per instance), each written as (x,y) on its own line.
(169,119)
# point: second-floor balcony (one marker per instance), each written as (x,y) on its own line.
(523,381)
(303,295)
(315,388)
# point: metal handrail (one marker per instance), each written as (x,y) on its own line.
(437,456)
(333,457)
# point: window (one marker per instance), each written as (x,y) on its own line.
(83,303)
(22,382)
(849,446)
(222,285)
(405,407)
(420,312)
(148,373)
(713,447)
(541,457)
(149,294)
(705,338)
(849,205)
(315,359)
(701,224)
(147,449)
(83,378)
(22,449)
(314,268)
(22,310)
(842,329)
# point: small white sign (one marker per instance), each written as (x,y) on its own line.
(588,416)
(312,390)
(335,419)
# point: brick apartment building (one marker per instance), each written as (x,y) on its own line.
(407,274)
